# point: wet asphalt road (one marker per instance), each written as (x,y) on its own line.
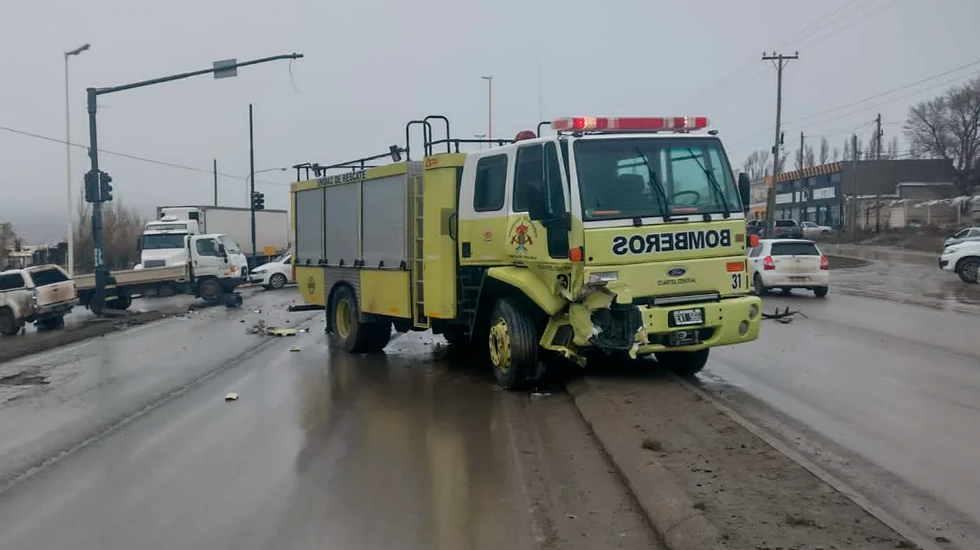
(321,450)
(894,385)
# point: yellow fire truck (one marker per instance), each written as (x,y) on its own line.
(617,235)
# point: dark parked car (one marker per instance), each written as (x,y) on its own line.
(788,229)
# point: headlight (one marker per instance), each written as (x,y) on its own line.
(951,249)
(258,272)
(604,277)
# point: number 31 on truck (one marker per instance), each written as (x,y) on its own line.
(617,235)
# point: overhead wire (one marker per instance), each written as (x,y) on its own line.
(134,157)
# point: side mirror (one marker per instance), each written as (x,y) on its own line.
(537,207)
(744,189)
(221,251)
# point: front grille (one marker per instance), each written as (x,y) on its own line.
(678,299)
(155,263)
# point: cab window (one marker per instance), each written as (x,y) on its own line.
(11,282)
(490,184)
(535,170)
(207,247)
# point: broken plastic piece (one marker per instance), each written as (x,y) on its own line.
(232,396)
(294,349)
(273,331)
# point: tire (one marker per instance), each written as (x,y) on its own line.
(356,337)
(121,303)
(52,323)
(820,291)
(210,290)
(683,363)
(968,270)
(8,323)
(277,281)
(512,344)
(757,287)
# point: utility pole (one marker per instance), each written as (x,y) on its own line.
(878,136)
(854,203)
(489,80)
(802,139)
(216,182)
(780,63)
(251,173)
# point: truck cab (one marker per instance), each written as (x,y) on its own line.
(216,257)
(162,242)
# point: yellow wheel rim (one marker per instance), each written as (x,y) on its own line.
(500,346)
(344,319)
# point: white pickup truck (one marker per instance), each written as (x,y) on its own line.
(215,268)
(40,294)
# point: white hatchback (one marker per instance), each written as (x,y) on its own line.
(787,264)
(275,274)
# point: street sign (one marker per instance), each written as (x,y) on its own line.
(225,68)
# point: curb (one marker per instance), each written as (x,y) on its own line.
(666,504)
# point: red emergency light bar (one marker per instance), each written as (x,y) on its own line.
(629,124)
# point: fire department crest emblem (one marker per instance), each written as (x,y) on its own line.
(522,235)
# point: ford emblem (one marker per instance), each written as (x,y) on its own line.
(676,271)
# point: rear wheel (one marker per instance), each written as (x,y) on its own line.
(969,270)
(277,281)
(513,344)
(820,291)
(757,287)
(8,323)
(683,363)
(355,336)
(120,303)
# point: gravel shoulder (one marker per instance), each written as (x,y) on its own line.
(754,496)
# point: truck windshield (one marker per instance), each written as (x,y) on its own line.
(614,177)
(230,246)
(160,242)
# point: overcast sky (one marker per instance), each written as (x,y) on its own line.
(372,65)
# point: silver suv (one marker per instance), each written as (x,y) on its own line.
(39,294)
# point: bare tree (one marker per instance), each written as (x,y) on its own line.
(809,158)
(824,151)
(121,227)
(798,159)
(757,165)
(8,241)
(948,127)
(871,150)
(847,151)
(835,154)
(893,148)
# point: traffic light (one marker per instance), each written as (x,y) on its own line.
(258,201)
(91,186)
(105,187)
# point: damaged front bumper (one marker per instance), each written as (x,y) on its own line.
(642,329)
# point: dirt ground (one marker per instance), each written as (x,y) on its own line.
(755,496)
(921,238)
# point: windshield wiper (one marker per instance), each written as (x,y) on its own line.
(657,186)
(715,186)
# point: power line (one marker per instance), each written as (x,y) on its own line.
(873,9)
(132,157)
(875,96)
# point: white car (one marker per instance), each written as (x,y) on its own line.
(275,274)
(811,229)
(962,259)
(787,264)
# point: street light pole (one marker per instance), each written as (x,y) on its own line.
(251,173)
(219,70)
(70,261)
(489,80)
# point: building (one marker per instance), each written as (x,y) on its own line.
(819,193)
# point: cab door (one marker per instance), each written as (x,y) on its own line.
(207,257)
(540,219)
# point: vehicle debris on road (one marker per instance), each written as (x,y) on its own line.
(785,316)
(232,396)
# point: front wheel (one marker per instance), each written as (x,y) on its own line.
(683,363)
(969,270)
(513,344)
(210,290)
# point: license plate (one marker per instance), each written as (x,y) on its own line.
(686,317)
(799,279)
(683,338)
